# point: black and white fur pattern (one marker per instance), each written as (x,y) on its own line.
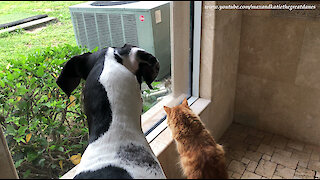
(113,105)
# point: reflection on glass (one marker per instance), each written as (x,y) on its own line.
(160,90)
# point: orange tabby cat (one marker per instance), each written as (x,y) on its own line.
(200,156)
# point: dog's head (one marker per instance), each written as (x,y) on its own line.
(141,63)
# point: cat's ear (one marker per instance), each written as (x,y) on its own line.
(167,109)
(185,102)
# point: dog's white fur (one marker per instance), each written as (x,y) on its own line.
(123,92)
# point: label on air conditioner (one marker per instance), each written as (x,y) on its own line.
(157,14)
(141,18)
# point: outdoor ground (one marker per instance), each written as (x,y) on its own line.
(12,45)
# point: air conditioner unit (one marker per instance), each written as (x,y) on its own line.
(145,24)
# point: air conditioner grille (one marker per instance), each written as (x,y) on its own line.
(80,29)
(91,29)
(103,29)
(130,29)
(116,30)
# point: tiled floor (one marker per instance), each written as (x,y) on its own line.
(251,153)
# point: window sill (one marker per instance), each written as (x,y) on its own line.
(164,138)
(160,138)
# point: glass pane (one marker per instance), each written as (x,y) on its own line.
(161,49)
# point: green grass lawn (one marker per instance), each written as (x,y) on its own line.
(12,45)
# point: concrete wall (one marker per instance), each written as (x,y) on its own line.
(220,40)
(278,85)
(219,60)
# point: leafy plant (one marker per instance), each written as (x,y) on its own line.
(43,128)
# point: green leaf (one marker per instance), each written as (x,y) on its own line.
(23,121)
(10,83)
(40,71)
(60,149)
(15,75)
(43,142)
(19,139)
(52,147)
(31,155)
(2,84)
(11,130)
(95,49)
(18,163)
(84,142)
(26,174)
(10,77)
(41,162)
(22,130)
(155,83)
(61,129)
(76,146)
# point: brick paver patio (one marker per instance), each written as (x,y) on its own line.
(254,154)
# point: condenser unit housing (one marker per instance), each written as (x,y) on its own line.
(145,24)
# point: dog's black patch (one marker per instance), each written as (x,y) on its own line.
(118,58)
(138,156)
(148,67)
(96,103)
(147,57)
(109,172)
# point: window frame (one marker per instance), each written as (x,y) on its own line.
(194,74)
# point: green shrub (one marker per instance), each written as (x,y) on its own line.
(42,127)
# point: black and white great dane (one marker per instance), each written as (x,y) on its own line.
(113,106)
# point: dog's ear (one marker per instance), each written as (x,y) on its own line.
(125,50)
(148,67)
(76,68)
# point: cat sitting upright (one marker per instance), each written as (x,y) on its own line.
(200,156)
